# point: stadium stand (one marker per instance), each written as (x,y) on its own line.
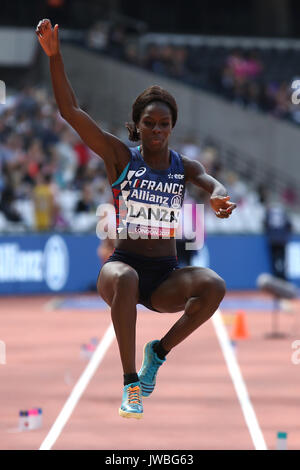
(37,144)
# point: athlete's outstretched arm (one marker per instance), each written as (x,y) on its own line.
(219,200)
(104,144)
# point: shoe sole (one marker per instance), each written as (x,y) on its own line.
(126,414)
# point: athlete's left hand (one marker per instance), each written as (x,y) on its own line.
(222,206)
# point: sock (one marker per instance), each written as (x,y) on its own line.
(160,351)
(130,378)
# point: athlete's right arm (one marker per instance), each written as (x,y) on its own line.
(107,146)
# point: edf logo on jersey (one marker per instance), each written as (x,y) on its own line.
(176,176)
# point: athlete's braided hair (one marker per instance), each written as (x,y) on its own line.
(153,93)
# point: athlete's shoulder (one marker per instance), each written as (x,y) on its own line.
(177,157)
(184,158)
(135,152)
(191,167)
(185,161)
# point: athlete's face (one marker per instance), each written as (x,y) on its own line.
(155,126)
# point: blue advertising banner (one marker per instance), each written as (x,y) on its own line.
(240,259)
(49,263)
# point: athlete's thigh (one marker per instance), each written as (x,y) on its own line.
(110,274)
(182,284)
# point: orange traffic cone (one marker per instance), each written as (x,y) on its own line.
(240,329)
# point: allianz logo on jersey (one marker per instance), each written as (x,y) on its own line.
(175,176)
(50,266)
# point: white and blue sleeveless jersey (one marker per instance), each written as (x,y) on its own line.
(149,201)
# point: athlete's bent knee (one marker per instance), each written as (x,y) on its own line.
(122,281)
(126,279)
(215,287)
(126,286)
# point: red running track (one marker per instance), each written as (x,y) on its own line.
(194,405)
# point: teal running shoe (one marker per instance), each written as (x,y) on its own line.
(132,406)
(148,371)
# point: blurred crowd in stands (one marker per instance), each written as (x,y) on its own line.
(242,81)
(49,179)
(257,79)
(40,158)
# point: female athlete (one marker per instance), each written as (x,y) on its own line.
(148,181)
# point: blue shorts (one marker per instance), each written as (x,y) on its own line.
(152,271)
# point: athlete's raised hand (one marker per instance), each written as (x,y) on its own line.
(222,206)
(48,37)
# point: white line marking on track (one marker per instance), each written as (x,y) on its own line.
(79,388)
(238,382)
